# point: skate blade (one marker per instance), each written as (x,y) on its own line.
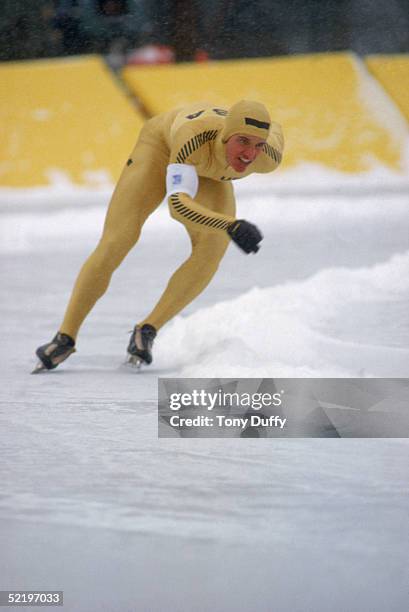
(40,367)
(134,362)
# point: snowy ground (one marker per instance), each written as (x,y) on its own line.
(94,504)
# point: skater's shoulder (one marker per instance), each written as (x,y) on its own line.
(193,131)
(197,118)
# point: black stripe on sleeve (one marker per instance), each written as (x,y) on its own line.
(195,217)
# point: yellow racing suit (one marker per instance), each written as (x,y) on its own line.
(190,136)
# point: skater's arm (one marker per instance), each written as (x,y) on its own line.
(189,146)
(194,216)
(182,184)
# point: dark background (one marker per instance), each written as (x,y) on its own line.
(218,29)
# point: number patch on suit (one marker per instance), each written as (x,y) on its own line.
(218,111)
(195,115)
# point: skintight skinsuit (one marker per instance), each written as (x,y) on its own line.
(181,155)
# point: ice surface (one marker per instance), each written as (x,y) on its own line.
(90,496)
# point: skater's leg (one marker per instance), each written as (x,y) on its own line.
(139,191)
(207,251)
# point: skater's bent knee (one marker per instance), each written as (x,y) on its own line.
(206,268)
(208,258)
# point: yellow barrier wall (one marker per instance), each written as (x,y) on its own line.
(332,111)
(65,116)
(393,73)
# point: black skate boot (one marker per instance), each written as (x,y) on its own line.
(140,345)
(54,352)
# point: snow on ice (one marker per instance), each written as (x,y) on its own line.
(85,479)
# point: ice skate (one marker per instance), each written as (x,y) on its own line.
(53,353)
(140,346)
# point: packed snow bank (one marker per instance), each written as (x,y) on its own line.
(60,193)
(327,325)
(304,179)
(45,227)
(314,179)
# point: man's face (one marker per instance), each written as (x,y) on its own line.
(242,150)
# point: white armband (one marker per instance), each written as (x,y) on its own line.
(181,178)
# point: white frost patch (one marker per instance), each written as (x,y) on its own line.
(59,178)
(41,114)
(379,103)
(98,178)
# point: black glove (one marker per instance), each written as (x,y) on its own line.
(245,235)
